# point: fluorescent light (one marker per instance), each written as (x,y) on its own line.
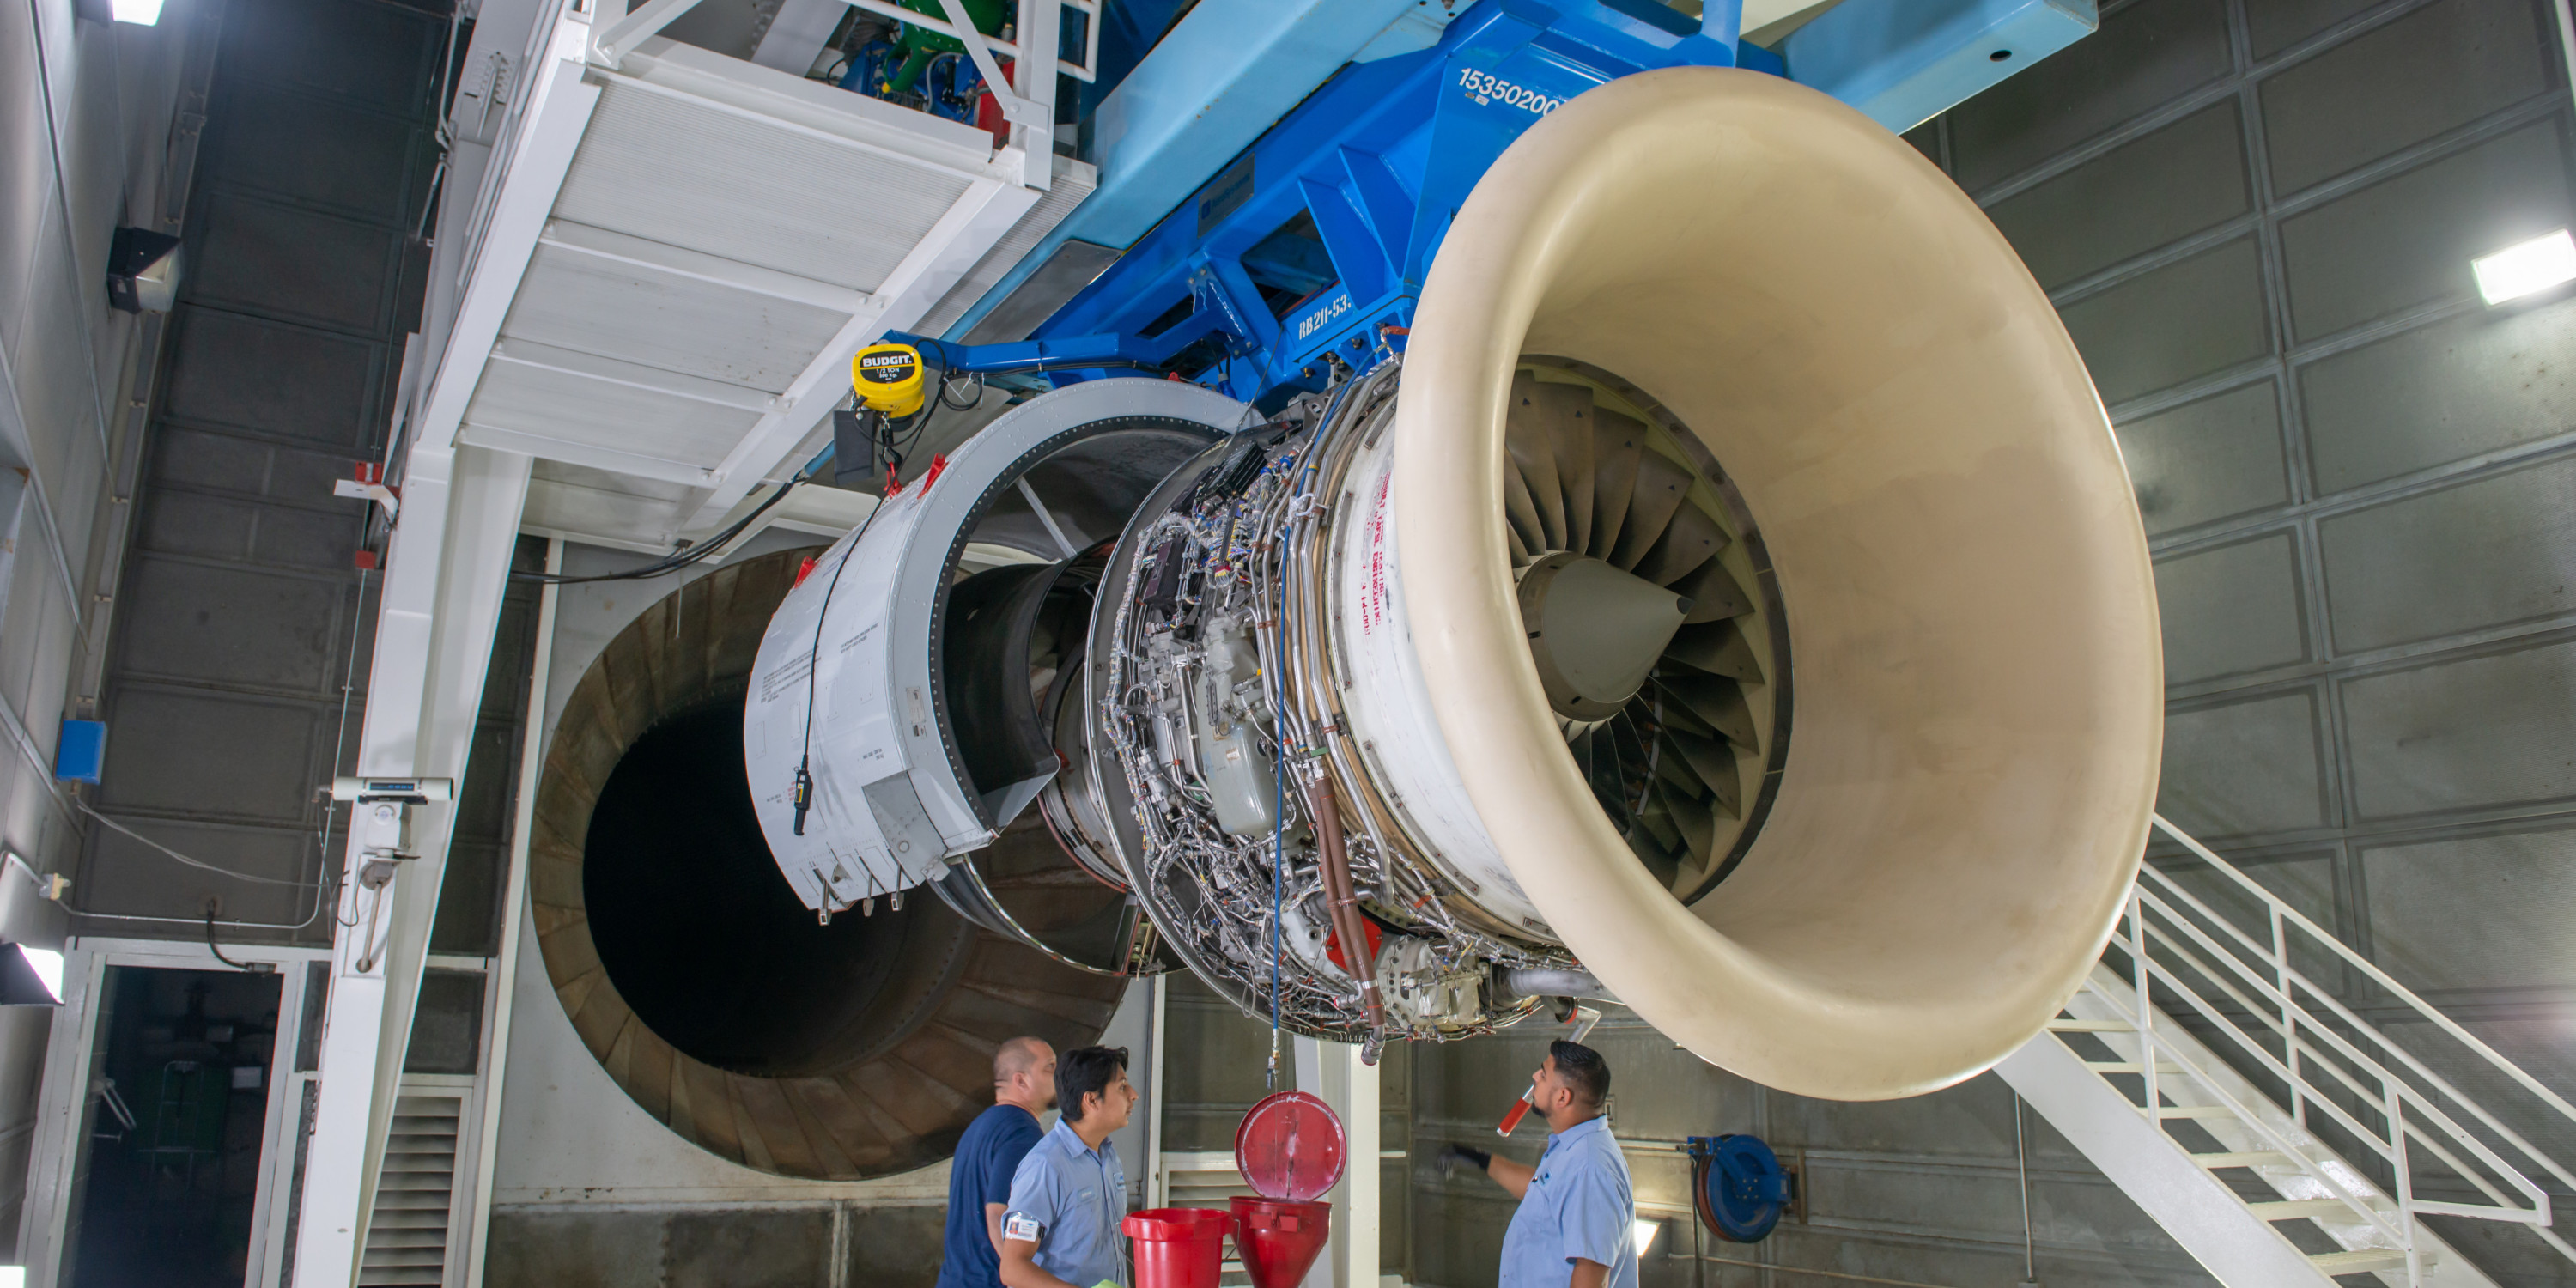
(1642,1234)
(48,966)
(142,13)
(13,1277)
(2526,268)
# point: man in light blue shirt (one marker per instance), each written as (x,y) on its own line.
(1577,1220)
(1060,1229)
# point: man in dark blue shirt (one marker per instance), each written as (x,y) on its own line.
(979,1180)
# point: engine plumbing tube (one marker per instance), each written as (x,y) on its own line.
(1342,902)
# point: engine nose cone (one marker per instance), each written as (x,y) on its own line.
(1595,631)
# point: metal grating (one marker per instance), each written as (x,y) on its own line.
(407,1233)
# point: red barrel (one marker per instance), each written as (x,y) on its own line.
(1278,1238)
(1177,1247)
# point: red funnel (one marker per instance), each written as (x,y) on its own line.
(1278,1239)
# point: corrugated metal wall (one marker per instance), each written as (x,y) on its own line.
(2256,217)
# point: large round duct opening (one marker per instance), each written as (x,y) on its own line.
(707,991)
(704,939)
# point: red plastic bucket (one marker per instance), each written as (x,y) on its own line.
(1278,1239)
(1177,1247)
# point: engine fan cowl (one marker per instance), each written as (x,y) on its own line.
(1965,579)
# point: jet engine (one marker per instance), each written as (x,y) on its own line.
(1727,599)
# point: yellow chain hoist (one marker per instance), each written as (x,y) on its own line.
(888,379)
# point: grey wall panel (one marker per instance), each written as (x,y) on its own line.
(2245,767)
(575,1248)
(2232,609)
(2212,459)
(777,1248)
(2475,383)
(234,626)
(228,463)
(148,883)
(375,56)
(241,372)
(2407,241)
(2149,52)
(315,149)
(2168,185)
(268,256)
(2497,729)
(2491,552)
(2436,69)
(737,1246)
(216,755)
(2274,25)
(2477,912)
(2174,323)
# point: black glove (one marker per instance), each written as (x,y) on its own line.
(1453,1157)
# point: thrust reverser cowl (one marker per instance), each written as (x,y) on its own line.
(893,802)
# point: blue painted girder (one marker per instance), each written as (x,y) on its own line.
(1378,160)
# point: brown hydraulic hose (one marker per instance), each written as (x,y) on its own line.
(1341,900)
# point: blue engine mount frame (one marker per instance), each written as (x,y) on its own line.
(1308,251)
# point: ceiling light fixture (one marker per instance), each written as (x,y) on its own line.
(142,13)
(2526,268)
(30,976)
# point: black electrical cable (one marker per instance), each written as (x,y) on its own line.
(218,952)
(803,797)
(677,559)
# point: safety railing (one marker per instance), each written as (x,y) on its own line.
(2346,1081)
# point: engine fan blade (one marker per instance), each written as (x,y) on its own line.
(1658,859)
(1657,821)
(1662,483)
(1530,437)
(1566,412)
(1521,516)
(1714,762)
(1697,826)
(1714,594)
(1617,443)
(1688,544)
(1718,702)
(1717,648)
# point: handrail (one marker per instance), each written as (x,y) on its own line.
(2377,976)
(2330,1058)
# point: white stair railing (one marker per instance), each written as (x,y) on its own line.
(2347,1080)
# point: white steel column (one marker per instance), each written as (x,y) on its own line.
(514,897)
(1333,1071)
(445,575)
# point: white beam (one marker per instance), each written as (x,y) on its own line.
(616,247)
(1333,1071)
(445,575)
(514,895)
(624,34)
(978,219)
(591,455)
(556,111)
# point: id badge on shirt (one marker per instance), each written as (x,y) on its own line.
(1020,1225)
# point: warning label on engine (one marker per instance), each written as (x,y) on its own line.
(1373,591)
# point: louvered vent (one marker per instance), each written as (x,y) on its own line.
(407,1235)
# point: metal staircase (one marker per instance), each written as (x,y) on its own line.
(2284,1127)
